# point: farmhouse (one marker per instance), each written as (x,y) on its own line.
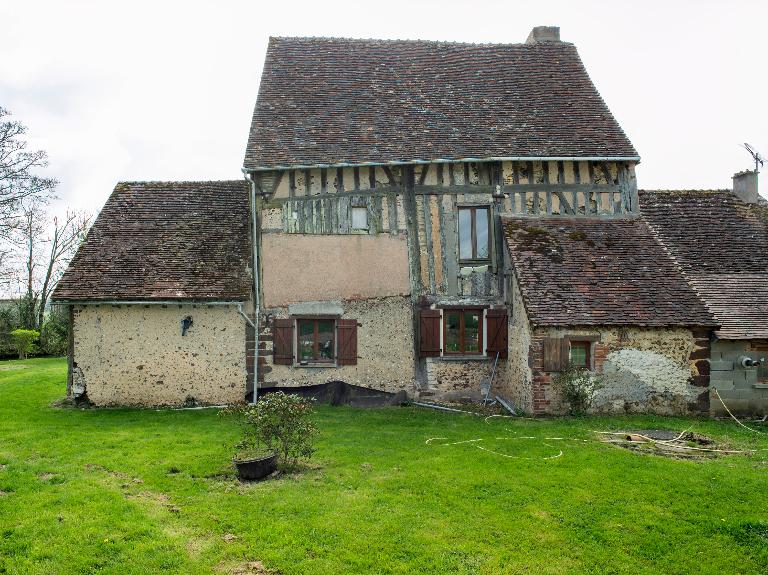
(415,216)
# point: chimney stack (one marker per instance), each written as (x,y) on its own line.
(745,186)
(544,34)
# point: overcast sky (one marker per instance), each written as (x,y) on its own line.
(165,90)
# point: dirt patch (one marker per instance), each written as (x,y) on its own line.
(12,367)
(669,443)
(248,568)
(116,474)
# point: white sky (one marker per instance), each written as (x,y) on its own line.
(165,90)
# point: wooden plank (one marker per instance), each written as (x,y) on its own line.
(451,175)
(392,207)
(565,206)
(423,174)
(390,176)
(448,228)
(428,239)
(409,206)
(443,287)
(356,177)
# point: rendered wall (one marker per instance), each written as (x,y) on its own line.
(741,389)
(136,355)
(384,348)
(314,268)
(661,370)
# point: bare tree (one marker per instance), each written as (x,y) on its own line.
(47,246)
(17,172)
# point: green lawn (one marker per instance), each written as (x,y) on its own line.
(128,491)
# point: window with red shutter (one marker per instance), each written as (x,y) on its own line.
(429,333)
(282,334)
(496,328)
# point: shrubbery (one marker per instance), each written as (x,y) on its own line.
(278,422)
(24,341)
(578,386)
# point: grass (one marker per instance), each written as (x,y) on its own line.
(129,491)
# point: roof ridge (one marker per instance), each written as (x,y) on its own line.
(413,41)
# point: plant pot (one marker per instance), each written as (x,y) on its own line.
(258,468)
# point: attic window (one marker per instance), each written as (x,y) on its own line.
(473,233)
(359,218)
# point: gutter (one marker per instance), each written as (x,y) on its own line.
(248,170)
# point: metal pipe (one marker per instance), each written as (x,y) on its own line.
(256,300)
(448,161)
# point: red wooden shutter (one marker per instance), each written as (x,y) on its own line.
(346,342)
(496,322)
(282,333)
(429,333)
(554,358)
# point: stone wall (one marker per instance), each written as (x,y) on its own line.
(515,377)
(136,354)
(743,389)
(385,347)
(661,370)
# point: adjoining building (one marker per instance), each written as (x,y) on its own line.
(719,238)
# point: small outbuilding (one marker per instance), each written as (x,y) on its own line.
(157,297)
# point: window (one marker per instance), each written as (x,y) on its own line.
(463,331)
(316,340)
(580,355)
(473,233)
(359,218)
(308,341)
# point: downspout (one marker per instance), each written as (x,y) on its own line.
(256,301)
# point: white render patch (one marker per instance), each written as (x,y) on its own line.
(636,376)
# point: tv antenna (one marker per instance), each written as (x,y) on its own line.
(755,156)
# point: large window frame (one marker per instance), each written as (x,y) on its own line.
(316,344)
(473,211)
(462,311)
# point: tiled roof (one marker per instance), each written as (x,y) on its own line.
(589,271)
(165,241)
(739,301)
(330,101)
(721,244)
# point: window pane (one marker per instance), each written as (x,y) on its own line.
(579,353)
(306,340)
(481,230)
(471,331)
(452,333)
(325,337)
(359,218)
(465,234)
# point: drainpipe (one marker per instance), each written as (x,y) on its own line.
(256,301)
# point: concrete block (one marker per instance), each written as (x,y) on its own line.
(720,365)
(722,384)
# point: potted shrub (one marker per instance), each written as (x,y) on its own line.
(276,430)
(253,458)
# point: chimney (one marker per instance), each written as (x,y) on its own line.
(544,34)
(745,186)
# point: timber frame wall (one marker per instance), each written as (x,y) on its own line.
(422,200)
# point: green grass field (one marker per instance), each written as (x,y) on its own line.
(129,491)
